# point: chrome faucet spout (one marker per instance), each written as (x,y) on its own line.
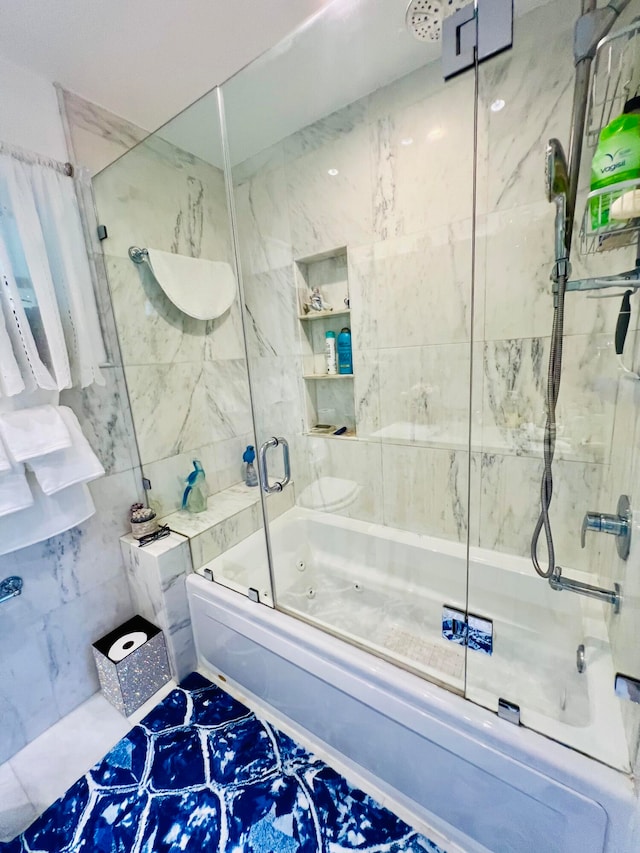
(611,596)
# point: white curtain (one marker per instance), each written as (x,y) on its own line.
(49,329)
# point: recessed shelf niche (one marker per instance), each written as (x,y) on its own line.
(329,398)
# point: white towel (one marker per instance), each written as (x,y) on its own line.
(48,516)
(5,462)
(15,493)
(33,432)
(200,288)
(64,468)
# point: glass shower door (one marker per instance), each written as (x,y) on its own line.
(352,167)
(184,362)
(552,653)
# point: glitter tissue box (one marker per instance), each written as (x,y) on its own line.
(132,663)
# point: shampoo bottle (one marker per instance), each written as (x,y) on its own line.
(617,159)
(330,344)
(345,358)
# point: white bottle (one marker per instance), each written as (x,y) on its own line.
(332,361)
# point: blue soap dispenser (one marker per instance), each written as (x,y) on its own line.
(194,498)
(250,476)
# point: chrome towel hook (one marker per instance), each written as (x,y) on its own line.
(137,255)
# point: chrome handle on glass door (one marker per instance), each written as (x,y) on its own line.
(263,471)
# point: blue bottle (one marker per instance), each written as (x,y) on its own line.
(250,476)
(345,359)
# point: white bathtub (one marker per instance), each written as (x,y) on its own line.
(504,786)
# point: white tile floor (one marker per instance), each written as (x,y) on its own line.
(41,772)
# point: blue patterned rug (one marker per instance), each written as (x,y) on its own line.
(202,773)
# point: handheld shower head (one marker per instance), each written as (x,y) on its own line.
(557,171)
(557,179)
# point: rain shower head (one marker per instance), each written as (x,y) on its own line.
(557,171)
(424,17)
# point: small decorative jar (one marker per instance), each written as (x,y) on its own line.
(143,521)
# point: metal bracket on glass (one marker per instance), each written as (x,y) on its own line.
(463,34)
(509,711)
(263,471)
(627,687)
(10,587)
(628,279)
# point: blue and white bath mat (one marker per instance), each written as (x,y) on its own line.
(202,773)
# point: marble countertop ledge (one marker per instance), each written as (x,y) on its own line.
(161,546)
(220,507)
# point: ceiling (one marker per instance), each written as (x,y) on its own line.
(144,60)
(349,49)
(147,60)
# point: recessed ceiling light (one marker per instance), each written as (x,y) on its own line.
(332,172)
(408,140)
(497,105)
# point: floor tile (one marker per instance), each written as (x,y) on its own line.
(16,810)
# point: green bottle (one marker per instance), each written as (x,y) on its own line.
(617,159)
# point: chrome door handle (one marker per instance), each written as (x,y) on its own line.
(263,470)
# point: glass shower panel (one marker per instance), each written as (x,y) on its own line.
(186,376)
(352,164)
(554,653)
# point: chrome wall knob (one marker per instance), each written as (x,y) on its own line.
(618,525)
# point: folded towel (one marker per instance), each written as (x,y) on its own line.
(5,462)
(15,493)
(33,432)
(48,516)
(63,468)
(200,288)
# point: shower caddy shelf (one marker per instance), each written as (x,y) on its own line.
(617,234)
(616,78)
